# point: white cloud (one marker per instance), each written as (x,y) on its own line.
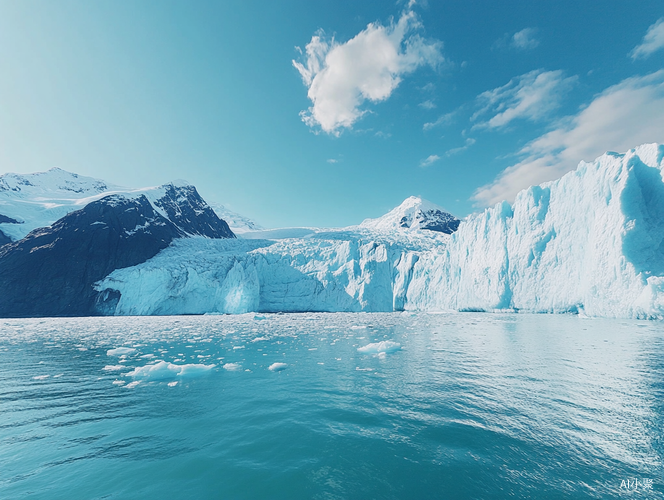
(430,160)
(341,76)
(332,160)
(531,96)
(525,39)
(652,41)
(469,142)
(445,119)
(427,104)
(622,117)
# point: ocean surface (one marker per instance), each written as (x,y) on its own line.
(331,406)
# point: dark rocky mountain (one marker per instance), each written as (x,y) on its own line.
(51,272)
(432,219)
(185,208)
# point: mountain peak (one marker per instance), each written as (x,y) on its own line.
(415,213)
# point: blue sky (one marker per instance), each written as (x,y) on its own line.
(325,113)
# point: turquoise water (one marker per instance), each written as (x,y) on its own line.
(467,406)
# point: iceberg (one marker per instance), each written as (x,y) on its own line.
(385,346)
(164,371)
(591,242)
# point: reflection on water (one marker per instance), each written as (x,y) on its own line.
(469,406)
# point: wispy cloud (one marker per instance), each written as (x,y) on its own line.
(445,119)
(521,40)
(619,118)
(430,160)
(525,39)
(342,76)
(427,104)
(531,97)
(332,161)
(652,41)
(454,151)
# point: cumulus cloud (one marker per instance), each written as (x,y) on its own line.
(623,116)
(531,96)
(429,104)
(430,160)
(454,151)
(652,41)
(525,39)
(342,76)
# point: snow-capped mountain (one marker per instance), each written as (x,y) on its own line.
(32,201)
(238,223)
(51,270)
(415,213)
(29,201)
(591,242)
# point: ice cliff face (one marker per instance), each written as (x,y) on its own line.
(590,242)
(334,271)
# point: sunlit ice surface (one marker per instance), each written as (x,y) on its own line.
(392,405)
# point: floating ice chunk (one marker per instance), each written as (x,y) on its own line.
(172,384)
(113,368)
(40,377)
(238,347)
(232,367)
(120,351)
(164,370)
(277,367)
(386,346)
(258,339)
(148,356)
(131,385)
(119,382)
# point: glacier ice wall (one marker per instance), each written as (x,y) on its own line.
(591,242)
(337,271)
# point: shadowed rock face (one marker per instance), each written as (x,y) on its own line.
(4,239)
(187,210)
(433,220)
(51,272)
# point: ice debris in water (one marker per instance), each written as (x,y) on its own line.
(232,367)
(41,377)
(386,346)
(164,370)
(120,351)
(277,367)
(113,368)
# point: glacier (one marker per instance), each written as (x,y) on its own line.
(591,242)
